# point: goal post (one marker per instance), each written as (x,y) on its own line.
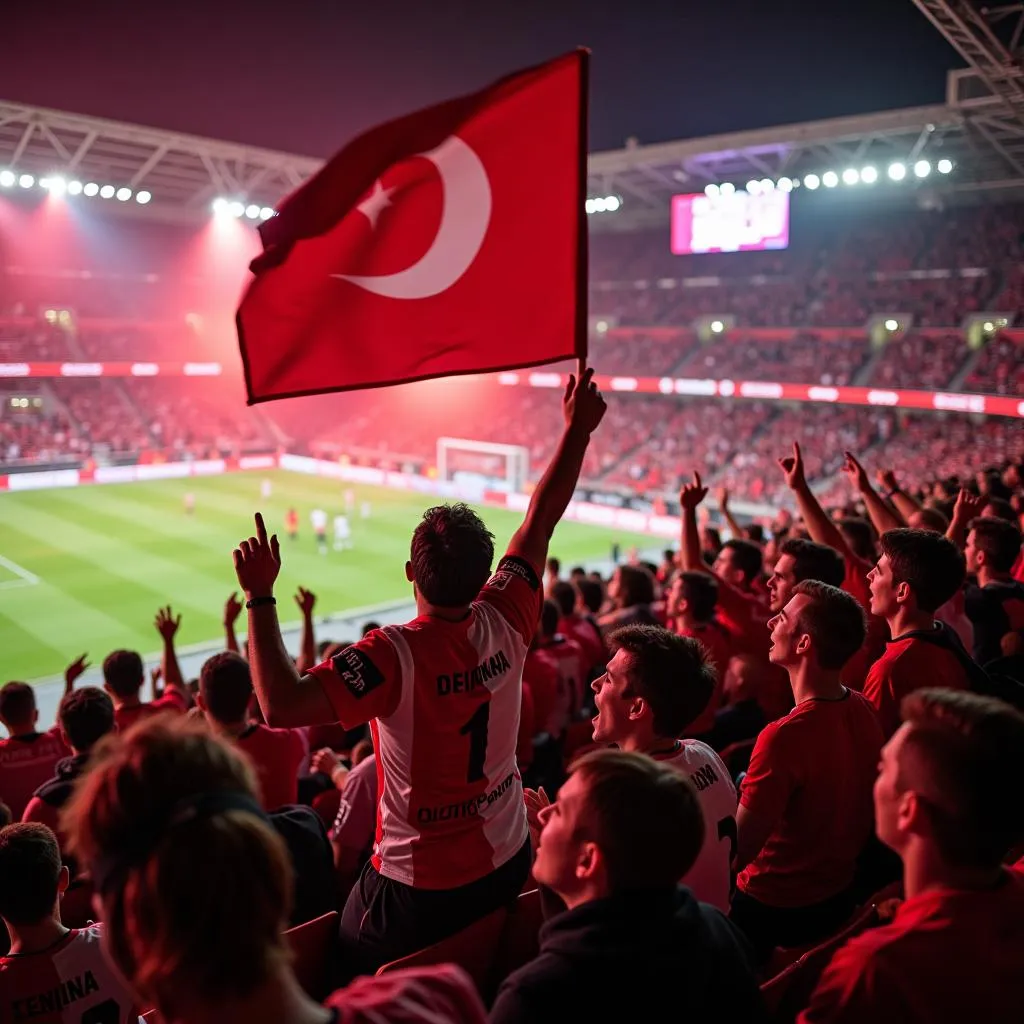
(499,467)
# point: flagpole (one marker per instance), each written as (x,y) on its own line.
(582,240)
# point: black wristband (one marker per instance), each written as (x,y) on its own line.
(256,602)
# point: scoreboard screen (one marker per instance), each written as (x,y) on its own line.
(735,222)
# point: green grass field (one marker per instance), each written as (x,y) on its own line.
(85,569)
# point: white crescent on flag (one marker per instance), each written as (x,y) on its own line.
(465,216)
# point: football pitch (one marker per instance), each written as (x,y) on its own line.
(86,568)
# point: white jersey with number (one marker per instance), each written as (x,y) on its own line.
(69,983)
(444,700)
(710,878)
(318,519)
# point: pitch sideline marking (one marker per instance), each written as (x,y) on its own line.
(25,578)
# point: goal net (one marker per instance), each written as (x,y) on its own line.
(482,465)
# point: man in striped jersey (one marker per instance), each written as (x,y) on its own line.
(443,696)
(53,974)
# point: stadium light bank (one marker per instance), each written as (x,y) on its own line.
(896,172)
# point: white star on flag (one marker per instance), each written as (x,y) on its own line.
(375,202)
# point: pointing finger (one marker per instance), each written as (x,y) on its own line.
(275,548)
(261,528)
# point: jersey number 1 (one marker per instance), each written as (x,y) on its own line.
(476,730)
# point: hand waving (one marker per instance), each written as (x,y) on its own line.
(887,480)
(257,562)
(232,609)
(582,403)
(855,472)
(74,670)
(968,505)
(792,467)
(693,494)
(166,623)
(722,494)
(305,599)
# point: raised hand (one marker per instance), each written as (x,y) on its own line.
(855,472)
(582,404)
(693,494)
(886,479)
(968,505)
(536,800)
(722,494)
(792,467)
(257,562)
(232,609)
(74,670)
(305,599)
(166,623)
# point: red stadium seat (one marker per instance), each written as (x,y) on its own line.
(736,756)
(313,946)
(326,804)
(76,908)
(474,949)
(786,994)
(519,938)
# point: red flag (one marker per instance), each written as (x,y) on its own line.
(449,241)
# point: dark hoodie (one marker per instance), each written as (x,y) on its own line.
(57,791)
(649,955)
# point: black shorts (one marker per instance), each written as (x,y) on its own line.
(384,920)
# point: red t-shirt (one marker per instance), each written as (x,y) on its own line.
(277,755)
(541,673)
(905,666)
(812,773)
(413,994)
(745,615)
(720,645)
(444,699)
(947,956)
(69,983)
(26,762)
(172,701)
(588,636)
(855,583)
(570,664)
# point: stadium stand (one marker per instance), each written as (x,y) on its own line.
(825,708)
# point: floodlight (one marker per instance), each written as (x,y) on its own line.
(75,188)
(124,194)
(143,197)
(91,188)
(252,211)
(711,190)
(812,181)
(851,176)
(897,172)
(922,168)
(7,178)
(26,181)
(107,192)
(869,175)
(830,179)
(944,166)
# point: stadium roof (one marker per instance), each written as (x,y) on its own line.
(980,128)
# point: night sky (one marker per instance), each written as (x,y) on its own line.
(303,76)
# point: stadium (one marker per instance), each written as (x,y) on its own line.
(847,292)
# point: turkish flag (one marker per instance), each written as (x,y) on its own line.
(449,241)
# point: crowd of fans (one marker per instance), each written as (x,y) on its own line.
(770,778)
